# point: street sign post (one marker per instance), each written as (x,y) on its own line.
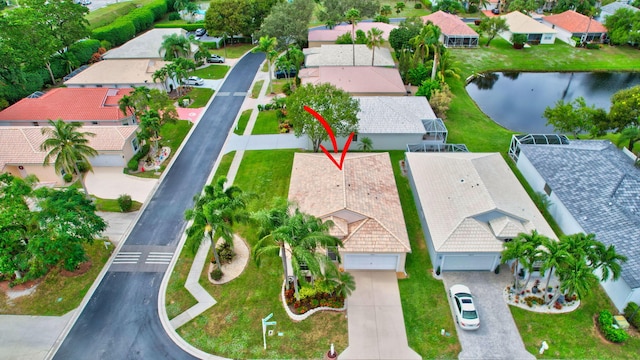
(265,323)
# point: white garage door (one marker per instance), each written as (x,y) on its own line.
(108,160)
(370,261)
(468,262)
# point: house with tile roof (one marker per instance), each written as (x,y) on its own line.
(357,80)
(536,32)
(20,152)
(329,36)
(124,73)
(593,188)
(91,106)
(573,24)
(145,46)
(470,204)
(363,203)
(455,32)
(611,9)
(342,55)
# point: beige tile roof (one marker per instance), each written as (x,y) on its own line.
(126,72)
(466,198)
(393,114)
(357,79)
(520,23)
(21,145)
(342,55)
(143,46)
(363,194)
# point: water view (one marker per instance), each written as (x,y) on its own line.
(517,100)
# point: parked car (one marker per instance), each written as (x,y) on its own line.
(193,80)
(215,59)
(281,74)
(464,308)
(201,32)
(495,11)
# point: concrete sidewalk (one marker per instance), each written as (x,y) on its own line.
(264,142)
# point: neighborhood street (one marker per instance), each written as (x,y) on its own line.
(121,320)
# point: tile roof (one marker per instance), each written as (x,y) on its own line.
(356,79)
(466,197)
(520,23)
(69,104)
(125,72)
(575,22)
(615,6)
(342,55)
(333,34)
(21,145)
(600,187)
(144,46)
(393,114)
(449,24)
(363,194)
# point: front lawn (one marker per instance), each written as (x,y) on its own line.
(266,123)
(111,205)
(172,136)
(234,51)
(242,122)
(200,97)
(213,71)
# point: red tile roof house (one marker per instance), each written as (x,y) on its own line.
(357,80)
(572,24)
(91,106)
(329,36)
(363,203)
(20,152)
(455,33)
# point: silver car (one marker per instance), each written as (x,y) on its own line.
(193,80)
(464,308)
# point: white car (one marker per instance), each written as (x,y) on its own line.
(464,308)
(193,80)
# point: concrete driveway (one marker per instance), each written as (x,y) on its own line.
(376,323)
(111,182)
(498,336)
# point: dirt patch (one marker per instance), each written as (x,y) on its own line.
(4,285)
(82,268)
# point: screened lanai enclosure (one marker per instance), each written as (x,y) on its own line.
(435,139)
(467,41)
(536,139)
(435,130)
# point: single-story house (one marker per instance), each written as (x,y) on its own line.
(121,74)
(363,203)
(536,32)
(455,32)
(572,24)
(392,122)
(593,188)
(92,106)
(20,152)
(611,9)
(329,36)
(342,55)
(145,46)
(357,80)
(470,204)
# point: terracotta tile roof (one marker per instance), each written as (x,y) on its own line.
(575,22)
(69,104)
(333,34)
(357,79)
(520,23)
(471,199)
(363,194)
(125,72)
(449,23)
(21,145)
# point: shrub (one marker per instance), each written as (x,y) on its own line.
(593,46)
(286,89)
(632,310)
(174,16)
(105,45)
(428,87)
(419,74)
(307,292)
(83,167)
(142,18)
(361,37)
(125,203)
(225,251)
(344,39)
(440,100)
(83,50)
(188,27)
(531,300)
(117,33)
(67,178)
(417,6)
(216,274)
(605,320)
(519,38)
(382,19)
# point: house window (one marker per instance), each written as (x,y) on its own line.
(355,137)
(35,123)
(303,265)
(135,145)
(94,123)
(508,240)
(332,253)
(547,189)
(98,85)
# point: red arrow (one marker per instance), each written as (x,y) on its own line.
(332,137)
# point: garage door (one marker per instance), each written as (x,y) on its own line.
(370,261)
(108,160)
(468,262)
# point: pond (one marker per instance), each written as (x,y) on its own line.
(516,100)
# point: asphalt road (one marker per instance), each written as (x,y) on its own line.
(121,321)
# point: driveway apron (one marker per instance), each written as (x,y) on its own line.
(376,323)
(498,337)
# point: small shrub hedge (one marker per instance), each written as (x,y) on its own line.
(632,310)
(417,6)
(605,320)
(530,300)
(216,274)
(125,203)
(593,46)
(132,165)
(67,178)
(126,27)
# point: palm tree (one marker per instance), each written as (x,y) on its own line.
(518,249)
(175,46)
(374,40)
(609,262)
(136,102)
(342,282)
(214,213)
(283,64)
(150,125)
(68,146)
(576,277)
(386,10)
(532,253)
(366,144)
(552,255)
(161,75)
(353,16)
(267,45)
(581,246)
(399,7)
(296,56)
(630,134)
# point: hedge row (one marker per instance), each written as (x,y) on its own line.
(126,27)
(188,27)
(133,163)
(632,310)
(606,327)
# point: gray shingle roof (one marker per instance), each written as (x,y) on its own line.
(393,114)
(601,189)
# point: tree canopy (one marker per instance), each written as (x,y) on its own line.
(623,27)
(573,117)
(333,12)
(625,108)
(492,26)
(288,23)
(229,17)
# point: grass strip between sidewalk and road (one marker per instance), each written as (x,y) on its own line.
(242,122)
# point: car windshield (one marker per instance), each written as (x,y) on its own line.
(469,315)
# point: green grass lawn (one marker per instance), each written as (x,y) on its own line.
(242,122)
(266,123)
(213,71)
(255,90)
(234,51)
(57,294)
(172,136)
(111,205)
(200,97)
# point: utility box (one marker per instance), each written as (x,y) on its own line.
(621,322)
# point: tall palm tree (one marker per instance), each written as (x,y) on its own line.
(581,246)
(630,134)
(576,277)
(161,75)
(447,67)
(175,46)
(68,146)
(296,56)
(353,16)
(552,255)
(386,10)
(609,262)
(374,40)
(267,45)
(517,249)
(214,213)
(533,251)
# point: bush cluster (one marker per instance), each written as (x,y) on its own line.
(225,252)
(216,274)
(188,27)
(126,27)
(632,310)
(83,50)
(605,320)
(530,300)
(132,165)
(125,203)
